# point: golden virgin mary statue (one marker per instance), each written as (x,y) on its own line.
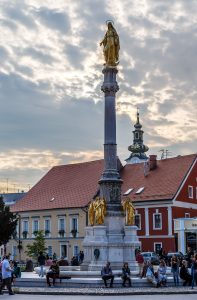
(111,46)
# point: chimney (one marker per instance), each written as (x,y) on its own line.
(153,162)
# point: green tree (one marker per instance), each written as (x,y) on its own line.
(37,246)
(8,222)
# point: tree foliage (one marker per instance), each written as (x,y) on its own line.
(8,222)
(37,246)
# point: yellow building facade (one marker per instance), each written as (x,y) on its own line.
(63,230)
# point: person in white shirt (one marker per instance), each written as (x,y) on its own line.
(6,276)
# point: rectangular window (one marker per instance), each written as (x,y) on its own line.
(63,251)
(138,221)
(50,251)
(35,226)
(75,250)
(187,215)
(74,227)
(157,221)
(25,226)
(61,226)
(14,250)
(157,247)
(47,227)
(74,224)
(190,192)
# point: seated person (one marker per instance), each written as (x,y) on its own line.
(144,270)
(16,270)
(126,274)
(106,274)
(63,262)
(150,275)
(53,272)
(184,274)
(48,261)
(162,277)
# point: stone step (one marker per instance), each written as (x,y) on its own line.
(86,282)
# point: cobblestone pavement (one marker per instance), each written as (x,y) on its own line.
(106,291)
(96,297)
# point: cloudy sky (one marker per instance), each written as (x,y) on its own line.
(50,76)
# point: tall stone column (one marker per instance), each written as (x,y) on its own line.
(110,182)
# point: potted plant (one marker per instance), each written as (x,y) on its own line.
(25,232)
(47,232)
(74,232)
(61,232)
(35,232)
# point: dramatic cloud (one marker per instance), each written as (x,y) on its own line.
(50,78)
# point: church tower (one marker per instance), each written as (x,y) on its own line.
(138,148)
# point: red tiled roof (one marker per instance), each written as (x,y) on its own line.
(71,185)
(160,183)
(74,185)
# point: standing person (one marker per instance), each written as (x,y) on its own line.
(126,274)
(54,256)
(107,274)
(6,276)
(175,269)
(190,253)
(184,274)
(140,260)
(41,262)
(194,270)
(81,257)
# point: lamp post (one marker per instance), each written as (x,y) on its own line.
(19,237)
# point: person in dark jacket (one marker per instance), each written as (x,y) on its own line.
(107,274)
(53,273)
(41,262)
(126,274)
(184,274)
(194,270)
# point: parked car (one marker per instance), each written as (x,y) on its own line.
(178,254)
(151,256)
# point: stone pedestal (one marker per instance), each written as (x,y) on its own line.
(117,246)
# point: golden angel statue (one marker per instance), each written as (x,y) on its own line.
(129,210)
(111,45)
(100,210)
(91,214)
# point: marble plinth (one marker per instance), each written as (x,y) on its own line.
(117,246)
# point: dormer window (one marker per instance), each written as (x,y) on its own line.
(139,191)
(137,135)
(128,192)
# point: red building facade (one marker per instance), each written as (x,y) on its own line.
(176,198)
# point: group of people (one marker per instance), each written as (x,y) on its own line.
(9,270)
(184,269)
(107,274)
